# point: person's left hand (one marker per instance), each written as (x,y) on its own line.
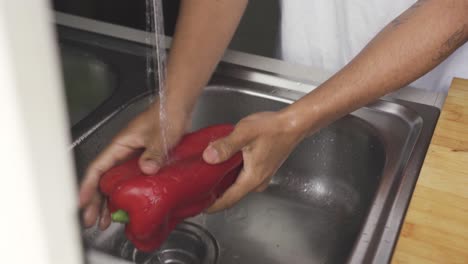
(266,139)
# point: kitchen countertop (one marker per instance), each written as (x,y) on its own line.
(435,229)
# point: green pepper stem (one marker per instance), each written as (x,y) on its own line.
(120,216)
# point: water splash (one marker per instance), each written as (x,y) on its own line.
(156,63)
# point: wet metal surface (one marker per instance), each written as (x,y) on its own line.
(340,197)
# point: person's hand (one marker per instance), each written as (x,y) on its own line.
(141,134)
(266,139)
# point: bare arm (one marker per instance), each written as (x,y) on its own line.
(410,46)
(203,32)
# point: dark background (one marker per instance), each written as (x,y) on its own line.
(130,13)
(258,32)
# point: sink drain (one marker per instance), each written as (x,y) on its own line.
(187,244)
(177,256)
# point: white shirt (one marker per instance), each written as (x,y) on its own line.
(328,33)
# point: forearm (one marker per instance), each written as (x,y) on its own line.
(407,48)
(203,32)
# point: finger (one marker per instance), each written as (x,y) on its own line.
(235,193)
(223,149)
(105,220)
(91,212)
(263,186)
(152,158)
(111,156)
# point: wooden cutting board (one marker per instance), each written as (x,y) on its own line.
(436,225)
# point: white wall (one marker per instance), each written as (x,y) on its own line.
(38,221)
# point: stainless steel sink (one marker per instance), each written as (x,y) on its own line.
(339,198)
(88,81)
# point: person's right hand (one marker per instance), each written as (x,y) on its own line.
(142,134)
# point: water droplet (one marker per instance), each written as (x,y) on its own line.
(235,214)
(135,251)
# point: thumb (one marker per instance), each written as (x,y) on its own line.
(223,149)
(152,159)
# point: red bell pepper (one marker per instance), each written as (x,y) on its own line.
(152,206)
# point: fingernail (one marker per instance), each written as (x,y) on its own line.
(83,198)
(81,201)
(88,217)
(150,167)
(103,224)
(211,155)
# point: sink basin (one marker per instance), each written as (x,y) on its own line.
(339,198)
(318,203)
(315,205)
(88,82)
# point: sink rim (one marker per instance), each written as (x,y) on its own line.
(383,224)
(370,240)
